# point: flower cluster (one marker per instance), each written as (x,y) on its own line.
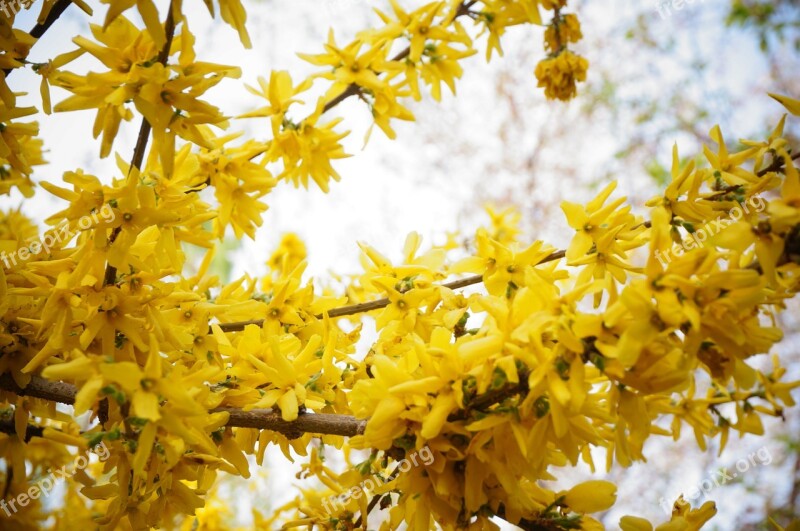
(560,72)
(559,352)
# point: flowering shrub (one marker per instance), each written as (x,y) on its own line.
(560,351)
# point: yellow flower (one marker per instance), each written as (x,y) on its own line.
(349,66)
(791,104)
(591,496)
(558,75)
(561,31)
(634,523)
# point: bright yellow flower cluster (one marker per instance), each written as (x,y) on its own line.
(557,353)
(167,95)
(20,149)
(162,80)
(488,381)
(559,73)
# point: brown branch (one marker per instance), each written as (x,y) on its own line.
(8,427)
(353,89)
(527,524)
(40,29)
(144,134)
(316,423)
(491,398)
(55,12)
(776,165)
(375,499)
(364,307)
(60,392)
(262,419)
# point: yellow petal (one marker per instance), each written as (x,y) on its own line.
(591,496)
(792,105)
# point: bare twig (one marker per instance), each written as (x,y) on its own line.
(8,427)
(55,12)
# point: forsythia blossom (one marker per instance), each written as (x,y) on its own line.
(184,376)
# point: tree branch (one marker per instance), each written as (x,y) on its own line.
(354,89)
(776,165)
(316,423)
(364,307)
(7,426)
(262,419)
(144,134)
(491,398)
(60,392)
(55,12)
(535,524)
(40,29)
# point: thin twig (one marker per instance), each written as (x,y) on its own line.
(8,427)
(144,136)
(776,165)
(40,29)
(491,398)
(354,89)
(364,307)
(55,12)
(374,501)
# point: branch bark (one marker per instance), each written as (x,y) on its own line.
(354,89)
(364,307)
(7,426)
(776,165)
(144,134)
(262,419)
(41,28)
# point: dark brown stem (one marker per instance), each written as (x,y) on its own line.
(776,165)
(526,524)
(40,29)
(374,501)
(7,426)
(62,393)
(354,89)
(55,12)
(144,134)
(316,423)
(491,398)
(557,29)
